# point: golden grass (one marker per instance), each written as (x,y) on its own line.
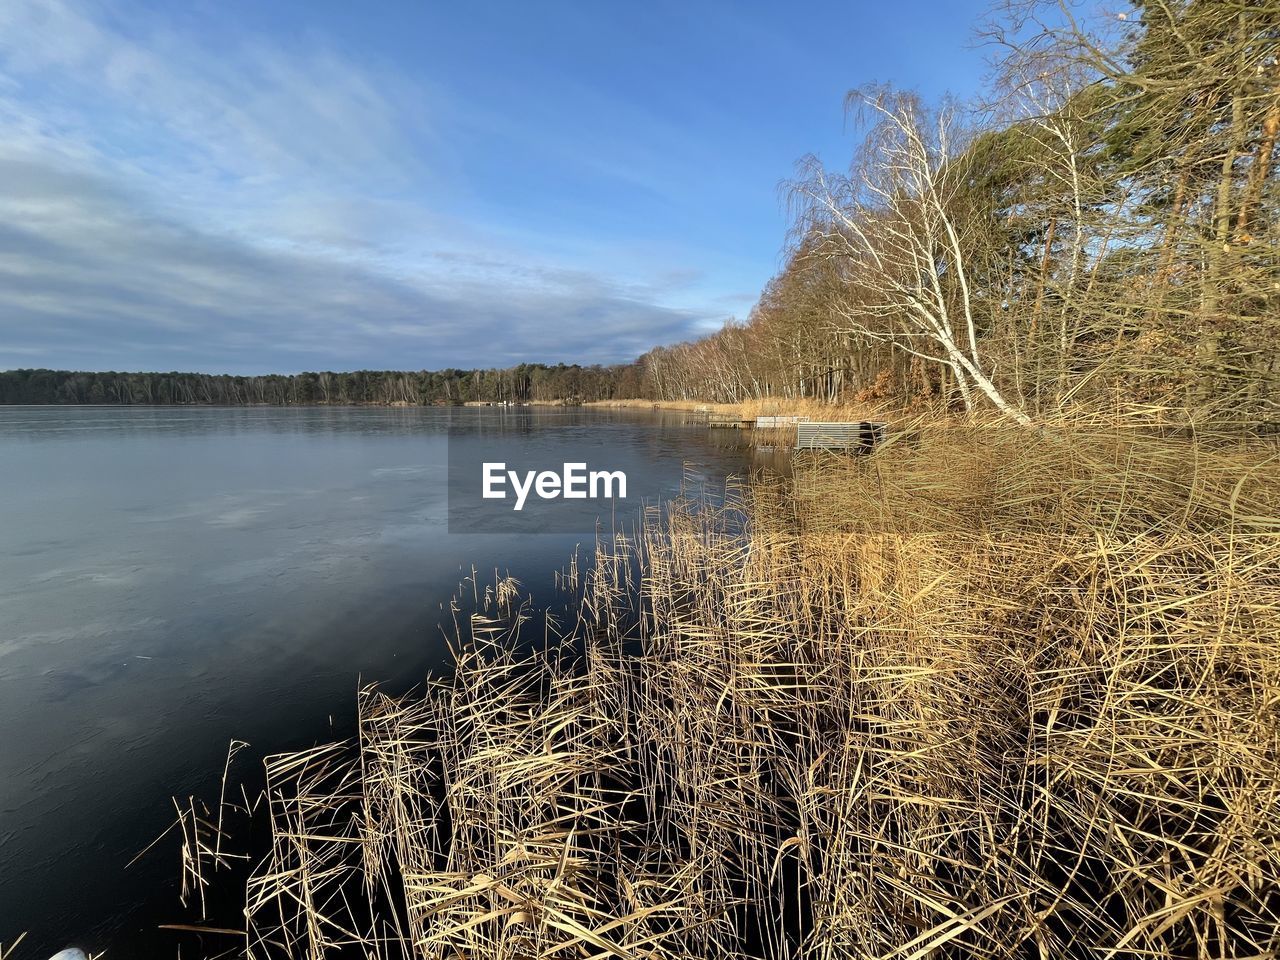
(768,407)
(985,693)
(699,406)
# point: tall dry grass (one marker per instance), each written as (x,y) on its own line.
(819,410)
(985,693)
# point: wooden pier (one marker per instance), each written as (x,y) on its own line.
(774,423)
(858,436)
(861,436)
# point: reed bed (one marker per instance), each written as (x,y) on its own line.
(985,693)
(809,407)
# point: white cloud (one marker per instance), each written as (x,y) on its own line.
(91,280)
(165,203)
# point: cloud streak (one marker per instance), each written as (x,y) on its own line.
(88,281)
(167,207)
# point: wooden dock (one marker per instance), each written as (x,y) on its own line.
(858,436)
(752,423)
(861,436)
(775,423)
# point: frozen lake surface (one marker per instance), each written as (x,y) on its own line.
(173,578)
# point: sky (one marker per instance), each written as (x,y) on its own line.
(250,187)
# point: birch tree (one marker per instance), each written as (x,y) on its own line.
(889,225)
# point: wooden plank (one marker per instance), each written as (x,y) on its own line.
(766,423)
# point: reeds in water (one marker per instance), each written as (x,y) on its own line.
(985,693)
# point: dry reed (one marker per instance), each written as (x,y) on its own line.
(985,693)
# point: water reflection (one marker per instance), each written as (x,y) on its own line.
(171,578)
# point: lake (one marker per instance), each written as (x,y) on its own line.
(174,577)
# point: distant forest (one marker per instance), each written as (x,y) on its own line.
(520,384)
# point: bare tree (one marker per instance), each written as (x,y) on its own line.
(890,225)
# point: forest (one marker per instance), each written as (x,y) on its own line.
(1102,231)
(527,382)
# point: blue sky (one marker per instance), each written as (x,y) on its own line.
(249,187)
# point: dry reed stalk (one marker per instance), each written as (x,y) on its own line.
(983,693)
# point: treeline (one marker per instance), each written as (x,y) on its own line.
(519,384)
(1104,229)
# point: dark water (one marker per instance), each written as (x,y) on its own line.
(173,578)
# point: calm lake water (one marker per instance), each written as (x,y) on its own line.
(173,578)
